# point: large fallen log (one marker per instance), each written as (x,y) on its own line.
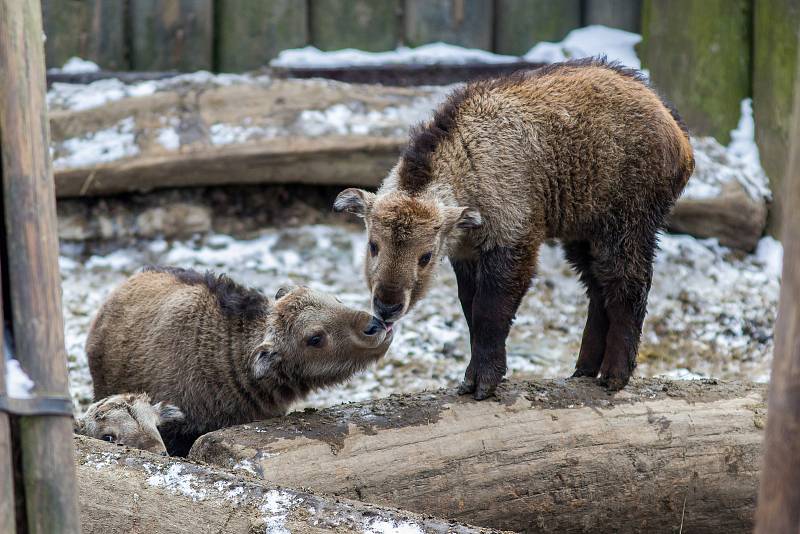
(555,456)
(199,130)
(124,490)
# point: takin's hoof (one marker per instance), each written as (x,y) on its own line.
(591,373)
(484,392)
(466,388)
(613,383)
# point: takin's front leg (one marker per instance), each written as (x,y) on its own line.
(503,276)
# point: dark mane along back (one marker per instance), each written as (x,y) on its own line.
(235,300)
(415,172)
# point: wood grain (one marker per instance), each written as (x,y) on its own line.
(124,491)
(779,495)
(546,455)
(30,213)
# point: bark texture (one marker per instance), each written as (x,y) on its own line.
(546,455)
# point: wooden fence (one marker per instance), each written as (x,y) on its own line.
(704,55)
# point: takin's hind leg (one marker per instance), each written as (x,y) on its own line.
(503,276)
(625,275)
(593,344)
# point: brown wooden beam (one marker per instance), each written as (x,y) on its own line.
(779,495)
(32,246)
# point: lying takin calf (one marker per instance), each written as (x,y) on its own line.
(222,352)
(128,420)
(582,151)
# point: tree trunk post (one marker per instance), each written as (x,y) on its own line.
(779,494)
(32,250)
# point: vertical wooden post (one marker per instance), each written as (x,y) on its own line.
(7,518)
(35,292)
(366,24)
(460,22)
(779,495)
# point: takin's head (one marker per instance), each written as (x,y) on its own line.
(128,419)
(314,340)
(407,237)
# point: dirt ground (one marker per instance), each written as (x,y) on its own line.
(711,311)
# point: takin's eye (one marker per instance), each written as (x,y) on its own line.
(109,438)
(316,340)
(425,259)
(373,248)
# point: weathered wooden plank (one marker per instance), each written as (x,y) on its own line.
(698,54)
(779,495)
(250,33)
(32,246)
(364,24)
(561,455)
(134,491)
(622,14)
(461,22)
(172,34)
(521,24)
(90,29)
(7,513)
(776,30)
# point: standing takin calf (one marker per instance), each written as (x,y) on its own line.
(129,420)
(583,151)
(222,352)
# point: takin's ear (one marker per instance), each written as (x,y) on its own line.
(355,201)
(168,413)
(464,218)
(264,360)
(78,425)
(283,291)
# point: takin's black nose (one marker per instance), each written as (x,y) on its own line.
(385,311)
(375,325)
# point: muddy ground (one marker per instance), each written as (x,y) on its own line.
(711,310)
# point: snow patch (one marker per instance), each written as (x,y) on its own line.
(102,146)
(168,138)
(595,40)
(381,526)
(275,506)
(18,384)
(430,54)
(177,482)
(716,165)
(769,252)
(76,65)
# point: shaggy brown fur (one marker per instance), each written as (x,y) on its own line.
(222,352)
(583,151)
(128,420)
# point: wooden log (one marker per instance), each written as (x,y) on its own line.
(364,24)
(735,218)
(622,14)
(776,30)
(779,495)
(90,29)
(7,513)
(172,34)
(460,22)
(125,490)
(554,455)
(698,54)
(520,24)
(32,247)
(251,33)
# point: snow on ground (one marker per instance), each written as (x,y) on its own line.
(76,65)
(717,165)
(102,146)
(429,54)
(711,310)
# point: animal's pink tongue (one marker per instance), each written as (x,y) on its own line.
(389,327)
